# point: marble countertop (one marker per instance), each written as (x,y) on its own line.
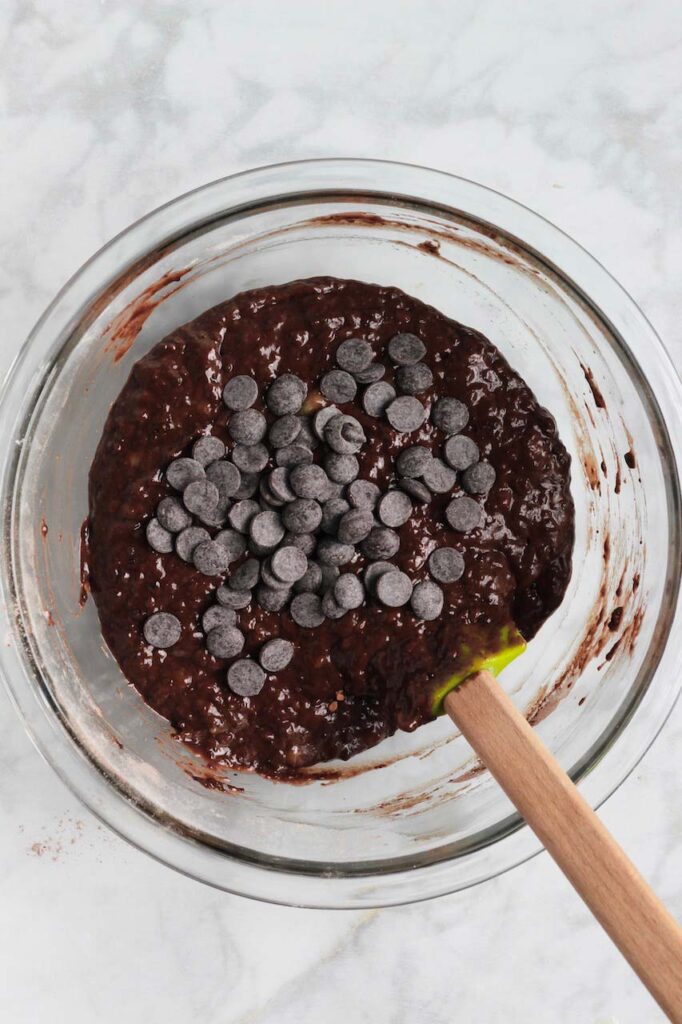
(108,110)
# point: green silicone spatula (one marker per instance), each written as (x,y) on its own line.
(595,865)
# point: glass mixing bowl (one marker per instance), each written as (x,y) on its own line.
(416,816)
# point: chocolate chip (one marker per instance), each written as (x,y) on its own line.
(446,564)
(289,564)
(207,450)
(355,525)
(311,580)
(248,486)
(438,477)
(162,630)
(332,552)
(413,380)
(286,395)
(211,558)
(427,600)
(158,538)
(344,434)
(377,398)
(464,514)
(225,477)
(460,452)
(245,678)
(330,574)
(217,615)
(245,576)
(268,498)
(406,349)
(172,516)
(250,458)
(306,437)
(241,514)
(413,461)
(270,580)
(233,598)
(216,516)
(305,542)
(309,482)
(331,609)
(247,427)
(278,482)
(276,654)
(338,386)
(239,393)
(381,543)
(450,415)
(182,472)
(284,431)
(293,455)
(479,478)
(233,542)
(322,418)
(266,529)
(224,641)
(393,589)
(406,414)
(342,469)
(370,374)
(200,497)
(374,571)
(302,516)
(416,489)
(363,494)
(349,591)
(188,540)
(271,599)
(332,511)
(306,611)
(395,508)
(354,355)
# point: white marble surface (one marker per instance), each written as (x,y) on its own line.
(108,109)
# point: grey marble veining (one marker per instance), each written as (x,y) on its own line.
(108,110)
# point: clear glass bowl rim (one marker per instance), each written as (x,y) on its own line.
(351,179)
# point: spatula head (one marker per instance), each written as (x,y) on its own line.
(493,650)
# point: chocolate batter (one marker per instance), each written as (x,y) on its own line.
(355,680)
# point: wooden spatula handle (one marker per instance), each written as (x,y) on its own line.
(595,865)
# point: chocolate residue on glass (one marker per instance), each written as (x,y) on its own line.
(126,325)
(596,393)
(386,661)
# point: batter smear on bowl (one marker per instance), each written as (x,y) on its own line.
(310,508)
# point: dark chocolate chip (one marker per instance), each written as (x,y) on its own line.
(438,477)
(332,511)
(371,374)
(162,630)
(406,349)
(250,458)
(188,540)
(233,542)
(349,591)
(306,611)
(271,599)
(342,469)
(266,529)
(278,482)
(200,498)
(460,452)
(248,486)
(330,606)
(207,450)
(306,437)
(289,564)
(182,472)
(363,494)
(413,461)
(416,489)
(241,514)
(393,589)
(293,455)
(233,598)
(217,515)
(413,380)
(479,478)
(217,615)
(245,678)
(268,498)
(309,482)
(355,525)
(406,414)
(395,508)
(224,641)
(172,516)
(382,543)
(276,654)
(269,579)
(374,571)
(158,538)
(286,395)
(377,398)
(211,558)
(226,478)
(330,574)
(464,514)
(332,552)
(354,355)
(311,581)
(344,434)
(427,600)
(284,431)
(302,516)
(446,564)
(450,415)
(247,427)
(305,542)
(338,386)
(239,393)
(322,418)
(245,576)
